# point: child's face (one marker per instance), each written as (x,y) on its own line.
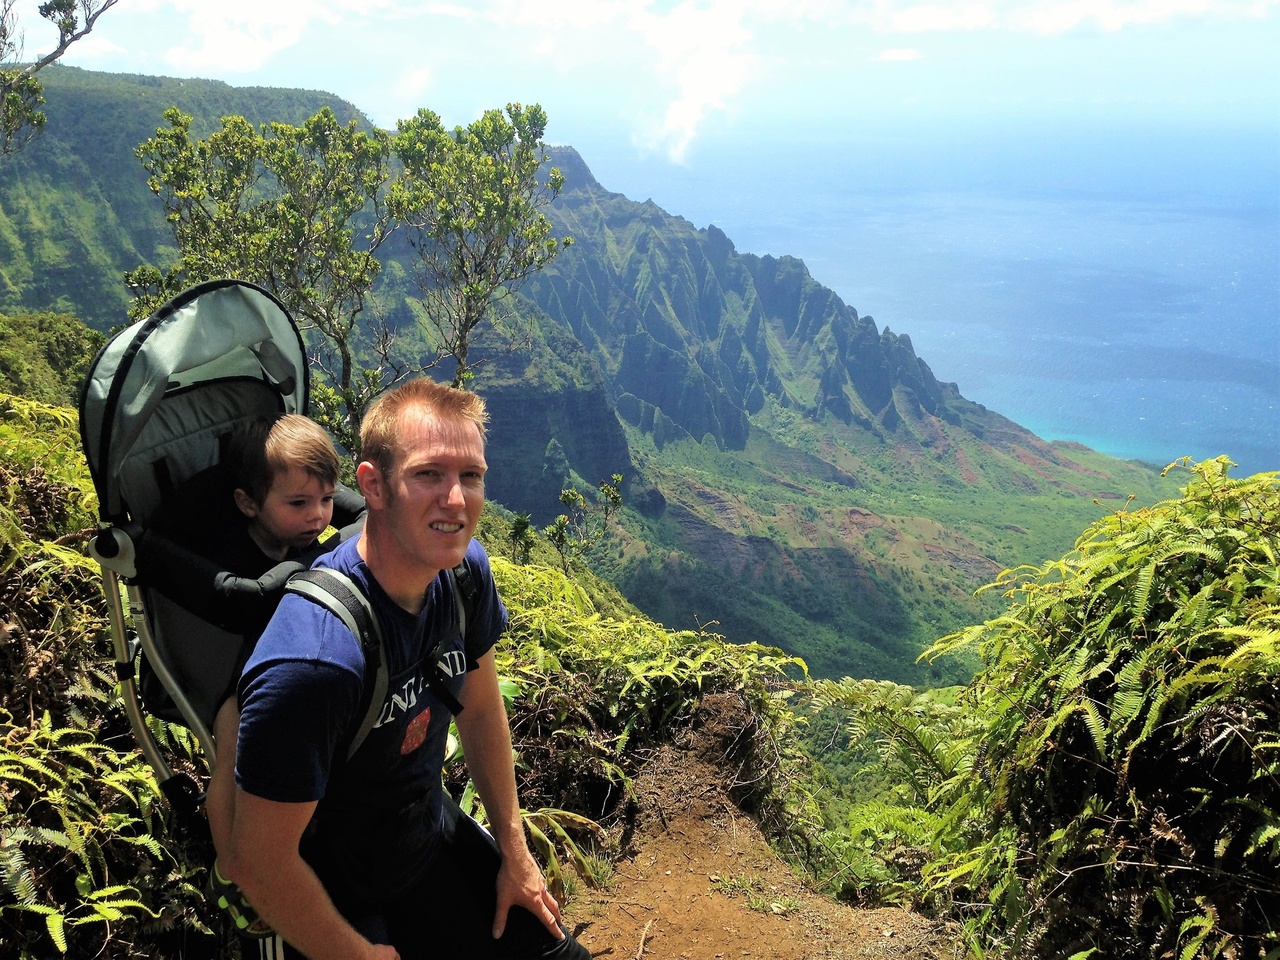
(293,514)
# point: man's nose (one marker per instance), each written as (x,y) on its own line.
(453,496)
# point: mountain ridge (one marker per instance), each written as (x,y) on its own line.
(793,473)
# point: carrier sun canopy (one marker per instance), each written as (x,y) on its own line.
(162,394)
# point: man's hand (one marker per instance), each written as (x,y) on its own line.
(520,883)
(486,741)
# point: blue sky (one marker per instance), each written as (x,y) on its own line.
(665,79)
(938,164)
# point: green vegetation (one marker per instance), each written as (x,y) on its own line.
(471,200)
(86,852)
(21,94)
(1109,784)
(794,474)
(298,210)
(858,574)
(798,477)
(586,524)
(305,210)
(75,209)
(44,356)
(91,863)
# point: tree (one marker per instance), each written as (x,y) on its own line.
(471,201)
(521,537)
(21,94)
(44,356)
(299,210)
(585,525)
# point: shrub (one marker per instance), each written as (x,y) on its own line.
(1125,795)
(596,691)
(88,865)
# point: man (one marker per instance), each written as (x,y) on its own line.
(365,856)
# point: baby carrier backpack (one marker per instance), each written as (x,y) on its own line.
(157,408)
(156,411)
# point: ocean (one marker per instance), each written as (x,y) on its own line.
(1116,288)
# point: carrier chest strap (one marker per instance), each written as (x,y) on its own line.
(342,596)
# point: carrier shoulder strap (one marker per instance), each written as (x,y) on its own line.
(346,599)
(464,590)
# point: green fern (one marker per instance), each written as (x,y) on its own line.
(1126,781)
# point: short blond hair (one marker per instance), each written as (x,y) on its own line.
(265,447)
(380,429)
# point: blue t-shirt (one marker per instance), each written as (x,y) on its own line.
(378,813)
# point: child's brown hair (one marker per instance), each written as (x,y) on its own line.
(266,446)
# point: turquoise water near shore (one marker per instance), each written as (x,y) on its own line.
(1124,303)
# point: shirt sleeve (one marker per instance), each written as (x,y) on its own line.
(489,619)
(298,696)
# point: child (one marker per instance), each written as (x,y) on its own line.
(284,475)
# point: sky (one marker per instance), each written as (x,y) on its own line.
(825,129)
(663,80)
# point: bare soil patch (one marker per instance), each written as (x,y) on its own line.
(701,883)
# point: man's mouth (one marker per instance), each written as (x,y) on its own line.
(444,527)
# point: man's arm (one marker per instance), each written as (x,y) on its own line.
(265,864)
(486,741)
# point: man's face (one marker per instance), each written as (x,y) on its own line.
(432,497)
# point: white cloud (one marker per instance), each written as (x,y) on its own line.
(684,62)
(94,49)
(939,17)
(704,53)
(700,56)
(408,91)
(1036,16)
(1113,15)
(239,36)
(670,64)
(899,55)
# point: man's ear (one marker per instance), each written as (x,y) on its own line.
(245,503)
(370,481)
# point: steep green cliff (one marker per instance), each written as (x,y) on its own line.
(798,475)
(75,210)
(793,472)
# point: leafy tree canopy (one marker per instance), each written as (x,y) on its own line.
(21,95)
(471,200)
(296,209)
(303,211)
(44,356)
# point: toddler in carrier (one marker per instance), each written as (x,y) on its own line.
(282,475)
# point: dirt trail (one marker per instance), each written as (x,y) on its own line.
(702,884)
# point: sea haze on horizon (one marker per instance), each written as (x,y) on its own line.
(1117,287)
